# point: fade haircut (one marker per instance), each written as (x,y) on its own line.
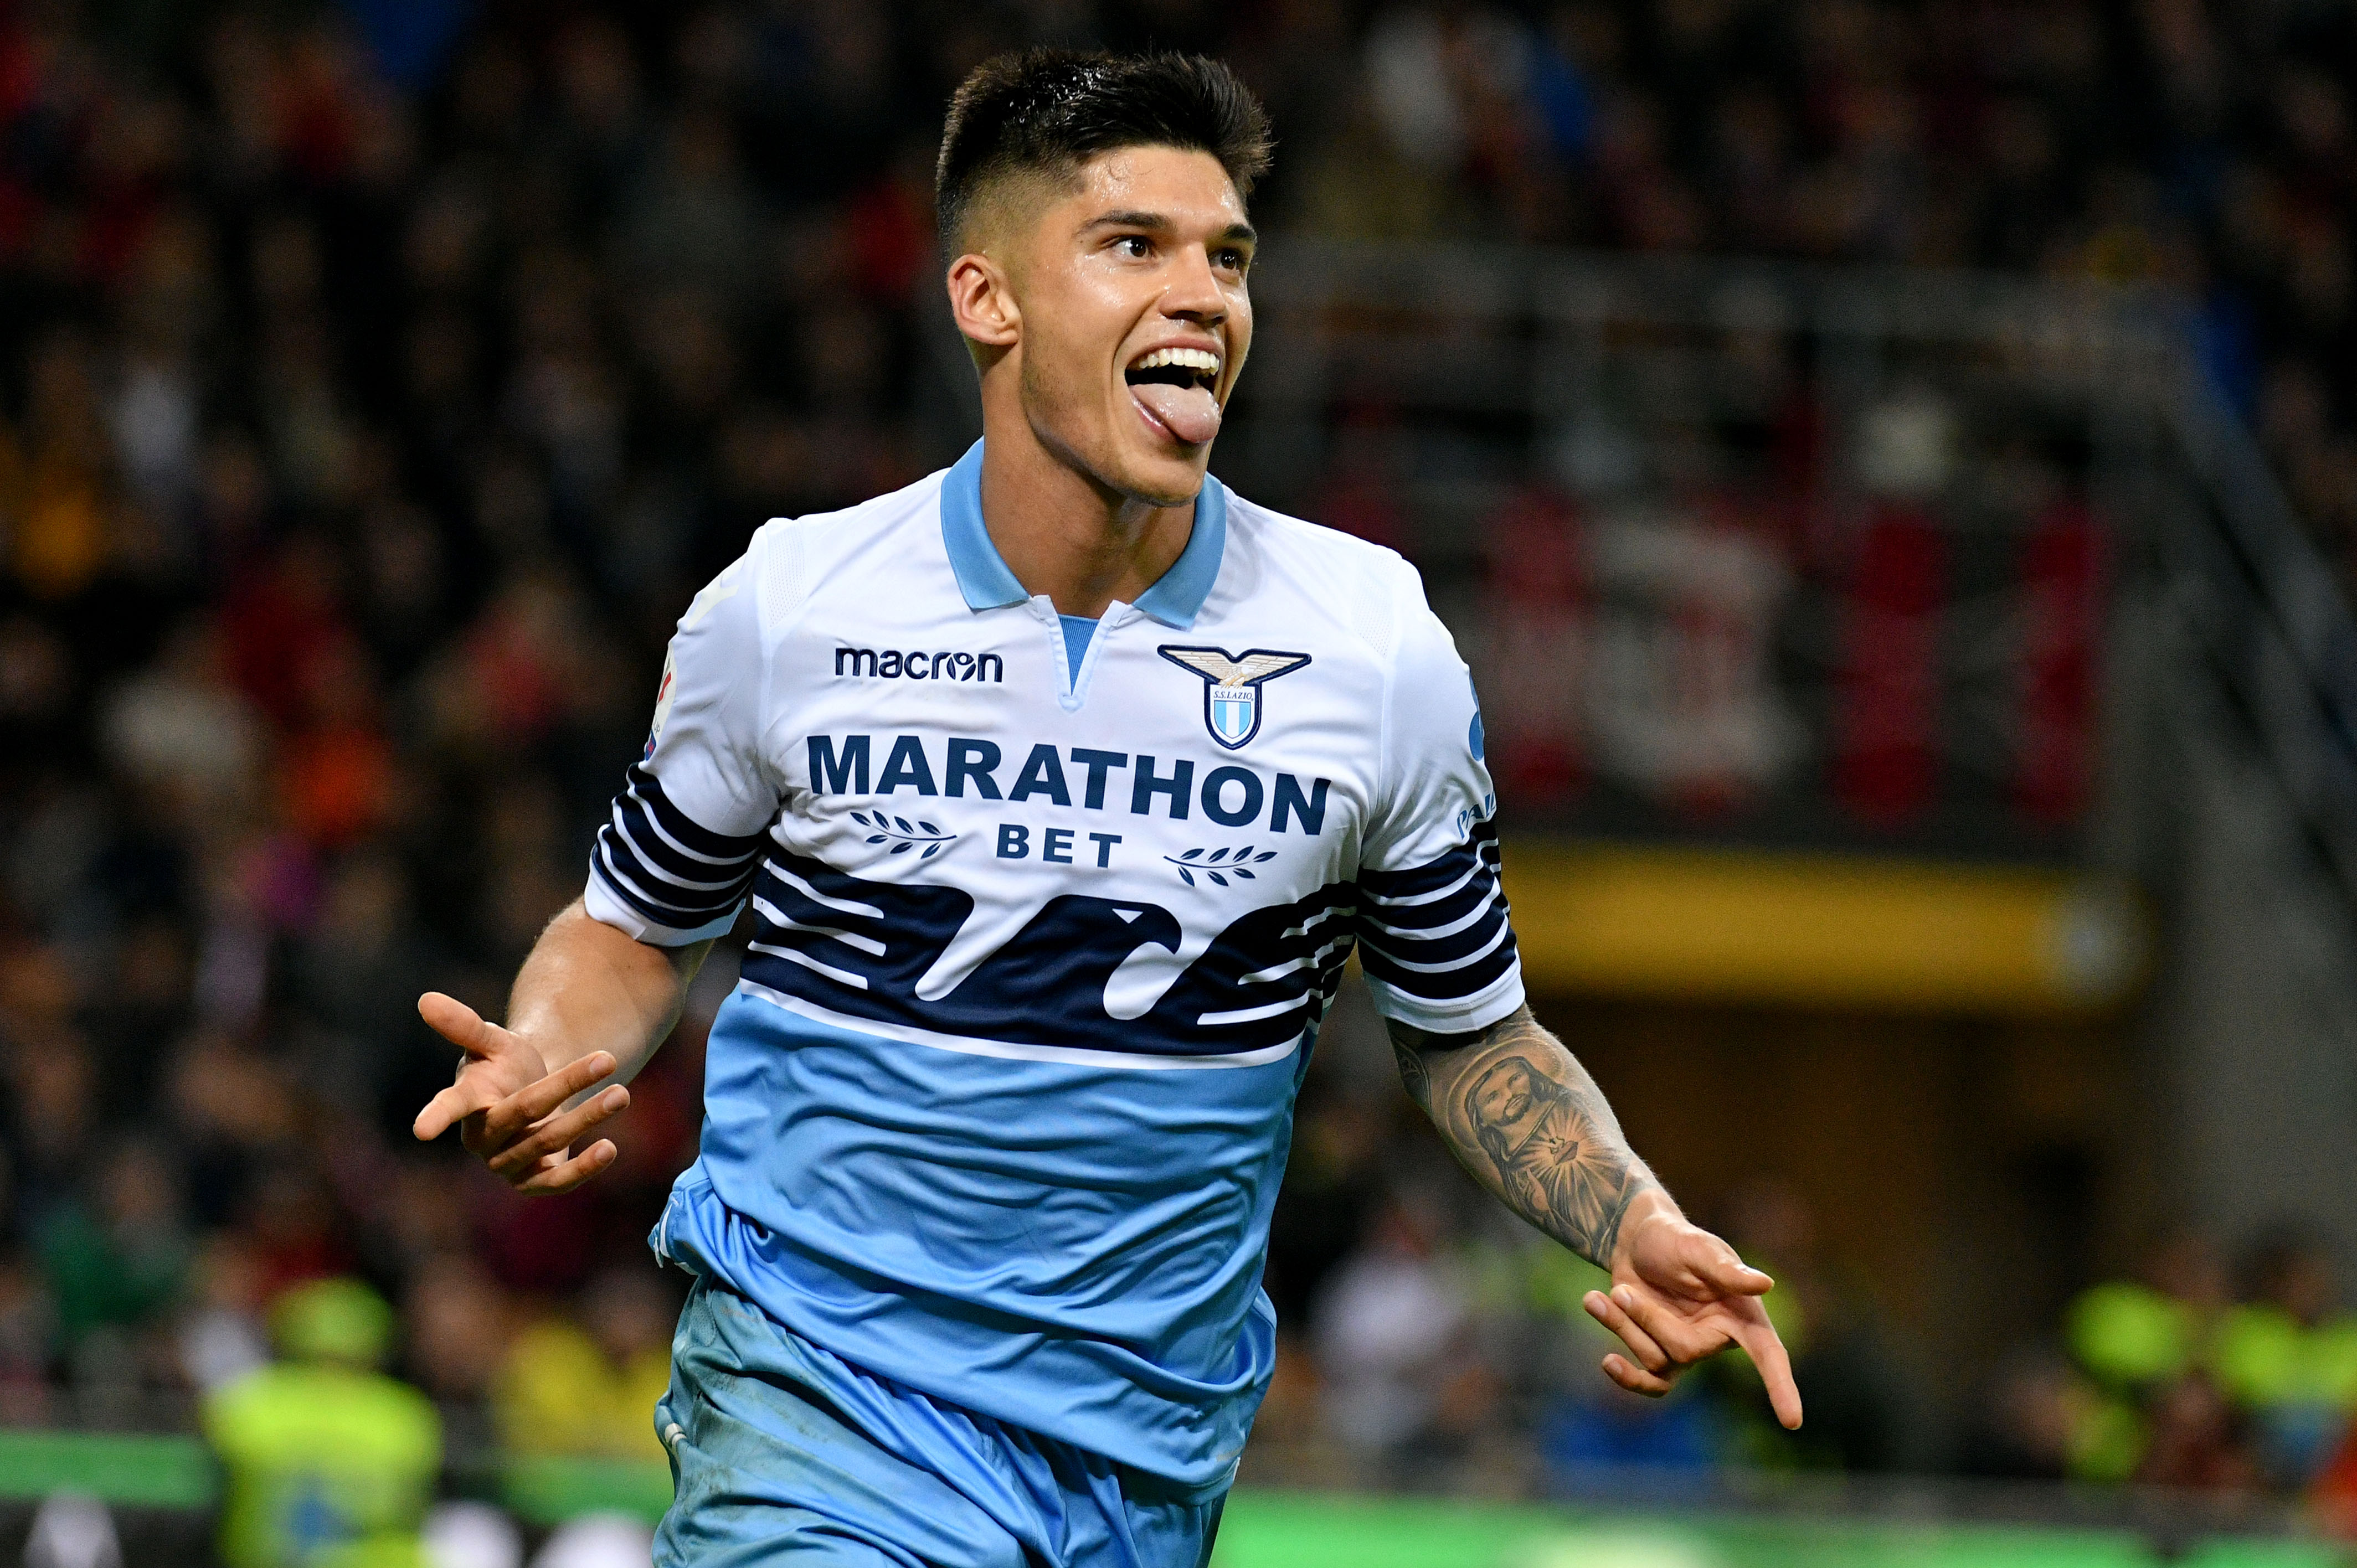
(1045,113)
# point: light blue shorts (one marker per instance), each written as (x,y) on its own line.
(782,1453)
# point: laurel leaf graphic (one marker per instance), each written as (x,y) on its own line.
(927,826)
(1217,855)
(931,853)
(904,824)
(1187,876)
(1190,854)
(875,838)
(1240,871)
(1217,877)
(903,847)
(1265,854)
(863,821)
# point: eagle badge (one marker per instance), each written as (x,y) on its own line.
(1232,686)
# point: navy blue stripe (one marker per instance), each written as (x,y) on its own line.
(1045,985)
(618,879)
(623,881)
(1436,874)
(1458,885)
(685,829)
(1450,949)
(663,856)
(656,898)
(653,866)
(1480,886)
(1448,984)
(795,905)
(642,862)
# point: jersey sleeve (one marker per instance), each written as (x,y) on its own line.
(675,858)
(1435,936)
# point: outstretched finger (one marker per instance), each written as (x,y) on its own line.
(1633,1378)
(558,1134)
(1607,1312)
(460,1025)
(471,1093)
(1758,1336)
(566,1175)
(536,1099)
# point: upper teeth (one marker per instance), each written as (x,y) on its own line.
(1190,359)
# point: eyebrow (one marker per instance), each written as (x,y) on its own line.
(1244,233)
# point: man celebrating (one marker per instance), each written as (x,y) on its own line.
(1061,784)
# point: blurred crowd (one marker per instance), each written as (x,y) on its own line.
(380,381)
(2186,1375)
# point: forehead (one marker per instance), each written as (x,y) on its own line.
(1506,1075)
(1187,186)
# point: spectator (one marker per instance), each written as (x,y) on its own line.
(117,1257)
(27,1340)
(2286,1357)
(590,1386)
(2038,1420)
(461,1325)
(320,1450)
(2133,1340)
(1391,1330)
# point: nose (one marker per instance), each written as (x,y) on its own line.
(1193,291)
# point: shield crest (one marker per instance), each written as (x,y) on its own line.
(1232,686)
(1235,714)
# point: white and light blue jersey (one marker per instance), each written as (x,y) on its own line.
(1039,947)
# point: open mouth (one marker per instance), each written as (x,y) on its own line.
(1175,368)
(1178,388)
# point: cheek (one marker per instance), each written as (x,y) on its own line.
(1075,338)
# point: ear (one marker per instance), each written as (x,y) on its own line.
(981,301)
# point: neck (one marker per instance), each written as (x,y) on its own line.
(1064,533)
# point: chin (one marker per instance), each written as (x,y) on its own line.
(1163,479)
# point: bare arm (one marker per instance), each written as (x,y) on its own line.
(1525,1119)
(589,1006)
(587,987)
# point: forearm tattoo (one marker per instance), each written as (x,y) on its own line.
(1524,1118)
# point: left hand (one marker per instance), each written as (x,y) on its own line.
(1680,1295)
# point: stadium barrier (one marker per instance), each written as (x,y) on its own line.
(169,1485)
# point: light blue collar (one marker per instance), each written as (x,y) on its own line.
(984,578)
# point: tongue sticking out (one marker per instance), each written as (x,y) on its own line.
(1191,413)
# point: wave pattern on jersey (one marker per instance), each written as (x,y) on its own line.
(859,948)
(1439,930)
(667,867)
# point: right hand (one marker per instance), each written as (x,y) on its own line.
(509,1106)
(1680,1294)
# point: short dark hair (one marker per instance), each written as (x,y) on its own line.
(1050,111)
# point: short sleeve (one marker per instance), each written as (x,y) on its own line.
(677,857)
(1436,938)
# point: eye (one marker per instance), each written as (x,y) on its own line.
(1234,260)
(1137,247)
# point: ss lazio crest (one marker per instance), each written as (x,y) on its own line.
(1232,686)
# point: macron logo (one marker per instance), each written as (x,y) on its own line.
(891,664)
